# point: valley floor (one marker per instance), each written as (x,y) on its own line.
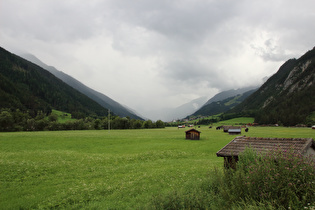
(110,169)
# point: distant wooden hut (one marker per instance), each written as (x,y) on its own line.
(227,127)
(231,151)
(193,134)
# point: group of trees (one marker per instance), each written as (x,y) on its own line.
(22,121)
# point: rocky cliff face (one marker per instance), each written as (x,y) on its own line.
(288,97)
(293,83)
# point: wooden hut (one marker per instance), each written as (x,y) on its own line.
(227,127)
(192,134)
(231,151)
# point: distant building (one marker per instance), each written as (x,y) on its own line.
(193,134)
(231,151)
(227,127)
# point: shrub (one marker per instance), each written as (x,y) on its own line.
(282,178)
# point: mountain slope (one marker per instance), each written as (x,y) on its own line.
(100,98)
(228,93)
(188,108)
(288,97)
(217,107)
(28,87)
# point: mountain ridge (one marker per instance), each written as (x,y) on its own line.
(100,98)
(287,97)
(28,87)
(217,106)
(229,93)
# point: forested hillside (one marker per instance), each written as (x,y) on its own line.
(28,87)
(217,107)
(287,98)
(100,98)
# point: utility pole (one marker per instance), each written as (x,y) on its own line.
(108,120)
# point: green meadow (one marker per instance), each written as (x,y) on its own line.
(62,117)
(117,169)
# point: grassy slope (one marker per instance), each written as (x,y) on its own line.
(234,121)
(101,169)
(63,116)
(237,121)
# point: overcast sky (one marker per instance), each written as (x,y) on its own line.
(150,54)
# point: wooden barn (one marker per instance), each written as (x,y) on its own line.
(230,152)
(226,128)
(192,134)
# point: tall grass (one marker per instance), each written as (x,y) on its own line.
(276,180)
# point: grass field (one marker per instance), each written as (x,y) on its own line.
(120,169)
(62,116)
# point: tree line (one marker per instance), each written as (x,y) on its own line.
(18,120)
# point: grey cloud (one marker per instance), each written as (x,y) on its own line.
(179,34)
(185,69)
(198,44)
(271,52)
(190,72)
(188,20)
(50,21)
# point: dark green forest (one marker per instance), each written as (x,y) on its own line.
(29,88)
(98,97)
(29,93)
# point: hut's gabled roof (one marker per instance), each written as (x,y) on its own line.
(238,145)
(235,130)
(192,130)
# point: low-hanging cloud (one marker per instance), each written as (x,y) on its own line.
(149,54)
